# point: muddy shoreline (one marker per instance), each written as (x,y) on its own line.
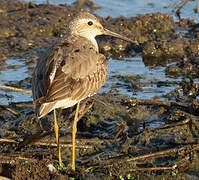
(115,139)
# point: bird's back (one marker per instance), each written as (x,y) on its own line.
(71,70)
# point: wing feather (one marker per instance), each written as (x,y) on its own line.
(68,74)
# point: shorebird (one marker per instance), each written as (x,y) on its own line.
(71,70)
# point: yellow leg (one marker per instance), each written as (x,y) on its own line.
(74,135)
(56,128)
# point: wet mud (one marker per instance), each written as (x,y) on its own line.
(118,137)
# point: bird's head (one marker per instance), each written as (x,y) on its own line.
(88,26)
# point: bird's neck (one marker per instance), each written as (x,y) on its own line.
(94,42)
(90,38)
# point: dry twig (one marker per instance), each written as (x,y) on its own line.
(153,169)
(7,140)
(142,158)
(15,89)
(183,3)
(9,109)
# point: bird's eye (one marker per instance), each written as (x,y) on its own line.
(90,23)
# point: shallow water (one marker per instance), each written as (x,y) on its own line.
(15,71)
(135,66)
(128,8)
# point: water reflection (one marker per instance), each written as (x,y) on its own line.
(150,78)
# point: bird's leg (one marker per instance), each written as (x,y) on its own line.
(74,135)
(56,128)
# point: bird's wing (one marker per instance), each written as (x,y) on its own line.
(45,71)
(71,71)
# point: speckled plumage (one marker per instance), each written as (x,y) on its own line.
(68,72)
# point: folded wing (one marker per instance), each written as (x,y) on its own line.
(68,74)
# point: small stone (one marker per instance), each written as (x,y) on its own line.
(51,168)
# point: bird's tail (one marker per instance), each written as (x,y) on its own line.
(44,109)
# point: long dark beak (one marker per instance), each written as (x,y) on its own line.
(110,33)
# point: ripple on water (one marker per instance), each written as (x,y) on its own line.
(135,66)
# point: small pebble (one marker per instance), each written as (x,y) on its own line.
(51,168)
